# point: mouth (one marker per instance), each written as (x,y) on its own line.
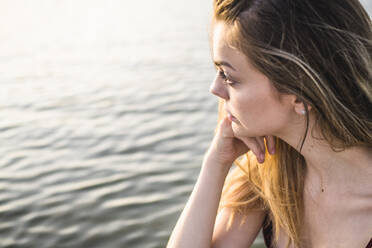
(231,117)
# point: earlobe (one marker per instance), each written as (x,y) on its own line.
(301,110)
(295,103)
(300,106)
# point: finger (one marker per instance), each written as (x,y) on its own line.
(261,142)
(270,142)
(241,146)
(225,128)
(254,146)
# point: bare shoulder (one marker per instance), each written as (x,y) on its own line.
(242,231)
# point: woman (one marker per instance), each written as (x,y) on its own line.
(294,77)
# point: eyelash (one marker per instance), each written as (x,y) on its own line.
(222,75)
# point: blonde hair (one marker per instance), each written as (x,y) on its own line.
(322,53)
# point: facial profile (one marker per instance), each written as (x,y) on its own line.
(257,107)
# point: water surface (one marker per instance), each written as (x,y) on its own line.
(105,115)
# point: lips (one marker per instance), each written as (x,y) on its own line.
(231,117)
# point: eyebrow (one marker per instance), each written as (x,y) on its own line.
(219,63)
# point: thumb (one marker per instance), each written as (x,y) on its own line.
(225,128)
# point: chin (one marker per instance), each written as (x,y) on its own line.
(241,131)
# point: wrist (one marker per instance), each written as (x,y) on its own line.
(220,167)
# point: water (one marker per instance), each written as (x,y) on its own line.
(105,116)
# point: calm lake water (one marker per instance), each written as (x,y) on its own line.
(105,116)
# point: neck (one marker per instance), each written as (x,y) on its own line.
(326,167)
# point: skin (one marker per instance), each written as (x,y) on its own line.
(338,217)
(345,206)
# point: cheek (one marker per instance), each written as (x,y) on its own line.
(249,107)
(259,115)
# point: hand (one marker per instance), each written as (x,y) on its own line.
(226,147)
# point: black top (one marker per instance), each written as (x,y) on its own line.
(267,231)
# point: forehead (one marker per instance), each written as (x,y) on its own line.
(222,51)
(220,45)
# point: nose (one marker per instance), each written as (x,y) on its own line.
(218,89)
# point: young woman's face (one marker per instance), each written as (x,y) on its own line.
(249,96)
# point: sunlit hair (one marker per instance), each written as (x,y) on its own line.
(320,51)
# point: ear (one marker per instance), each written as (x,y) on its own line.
(298,105)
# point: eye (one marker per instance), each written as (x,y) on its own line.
(225,78)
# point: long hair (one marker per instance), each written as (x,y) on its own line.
(320,51)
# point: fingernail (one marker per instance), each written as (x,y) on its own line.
(229,117)
(262,157)
(272,150)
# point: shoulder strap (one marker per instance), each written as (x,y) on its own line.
(267,231)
